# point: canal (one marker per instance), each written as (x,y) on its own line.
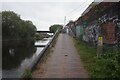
(18,56)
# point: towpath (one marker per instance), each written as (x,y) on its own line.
(64,61)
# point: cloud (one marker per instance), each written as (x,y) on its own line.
(45,14)
(42,1)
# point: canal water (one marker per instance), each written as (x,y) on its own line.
(17,57)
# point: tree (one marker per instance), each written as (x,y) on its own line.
(55,27)
(13,27)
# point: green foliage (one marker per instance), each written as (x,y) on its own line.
(39,36)
(55,27)
(111,66)
(108,66)
(13,27)
(28,74)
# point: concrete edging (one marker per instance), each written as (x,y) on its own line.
(33,64)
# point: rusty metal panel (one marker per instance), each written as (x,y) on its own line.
(108,32)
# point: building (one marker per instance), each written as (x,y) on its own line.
(101,18)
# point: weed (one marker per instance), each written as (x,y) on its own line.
(108,66)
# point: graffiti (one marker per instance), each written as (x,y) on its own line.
(106,24)
(91,33)
(118,33)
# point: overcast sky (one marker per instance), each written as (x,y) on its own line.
(45,14)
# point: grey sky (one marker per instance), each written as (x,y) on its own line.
(45,14)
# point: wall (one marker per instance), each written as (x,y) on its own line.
(104,24)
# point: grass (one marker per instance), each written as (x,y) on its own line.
(106,66)
(87,55)
(28,74)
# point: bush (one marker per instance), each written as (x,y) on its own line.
(111,64)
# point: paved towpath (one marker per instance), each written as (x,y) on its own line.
(64,61)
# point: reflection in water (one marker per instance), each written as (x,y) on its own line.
(17,56)
(14,54)
(12,51)
(42,42)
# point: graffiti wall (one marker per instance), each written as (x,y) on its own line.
(107,25)
(79,31)
(105,22)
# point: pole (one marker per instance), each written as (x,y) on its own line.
(64,21)
(99,46)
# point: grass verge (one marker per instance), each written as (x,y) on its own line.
(105,67)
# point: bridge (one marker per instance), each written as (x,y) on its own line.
(44,32)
